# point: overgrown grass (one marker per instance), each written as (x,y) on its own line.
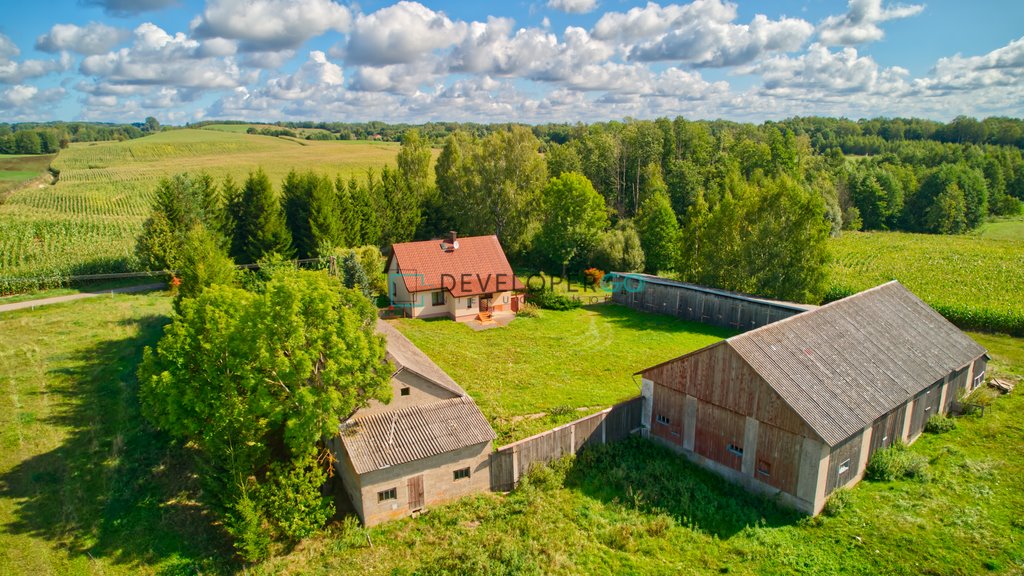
(974,281)
(580,358)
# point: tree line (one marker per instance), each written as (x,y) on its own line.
(50,137)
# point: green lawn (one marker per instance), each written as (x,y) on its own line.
(1002,229)
(17,175)
(556,363)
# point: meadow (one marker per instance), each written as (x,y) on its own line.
(86,487)
(976,281)
(17,169)
(539,372)
(88,221)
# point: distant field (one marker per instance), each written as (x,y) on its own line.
(15,169)
(243,128)
(88,221)
(1002,229)
(557,363)
(976,281)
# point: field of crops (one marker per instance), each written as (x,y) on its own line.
(87,222)
(975,281)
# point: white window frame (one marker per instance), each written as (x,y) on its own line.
(434,298)
(843,468)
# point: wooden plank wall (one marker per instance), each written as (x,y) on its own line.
(777,460)
(723,310)
(670,405)
(886,430)
(510,462)
(926,403)
(849,449)
(957,387)
(716,429)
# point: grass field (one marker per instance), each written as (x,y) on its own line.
(243,128)
(89,220)
(17,169)
(1002,229)
(87,488)
(975,281)
(561,365)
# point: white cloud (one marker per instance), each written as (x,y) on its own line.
(94,38)
(860,23)
(822,73)
(130,7)
(1003,67)
(702,34)
(573,6)
(158,58)
(24,100)
(267,25)
(15,72)
(400,34)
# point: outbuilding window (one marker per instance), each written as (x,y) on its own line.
(437,298)
(734,449)
(461,473)
(844,466)
(663,420)
(764,468)
(389,494)
(978,380)
(404,391)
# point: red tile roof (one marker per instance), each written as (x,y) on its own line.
(477,266)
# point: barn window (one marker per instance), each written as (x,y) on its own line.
(389,494)
(404,391)
(663,420)
(764,468)
(844,466)
(734,449)
(978,380)
(461,473)
(437,298)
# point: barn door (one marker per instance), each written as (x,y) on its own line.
(415,492)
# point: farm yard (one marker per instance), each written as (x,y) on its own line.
(87,222)
(539,372)
(87,487)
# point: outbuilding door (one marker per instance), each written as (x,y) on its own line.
(415,492)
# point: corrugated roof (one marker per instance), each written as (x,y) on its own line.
(477,266)
(843,365)
(406,356)
(651,279)
(387,439)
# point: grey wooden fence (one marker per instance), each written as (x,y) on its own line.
(510,462)
(698,303)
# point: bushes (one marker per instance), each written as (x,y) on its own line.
(546,298)
(838,501)
(528,310)
(896,462)
(939,424)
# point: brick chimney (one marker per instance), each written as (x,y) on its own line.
(450,243)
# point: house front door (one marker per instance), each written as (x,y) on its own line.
(415,486)
(485,303)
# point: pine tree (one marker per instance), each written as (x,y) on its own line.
(261,228)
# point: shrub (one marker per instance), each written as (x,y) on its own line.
(528,310)
(838,501)
(592,276)
(896,462)
(549,300)
(939,424)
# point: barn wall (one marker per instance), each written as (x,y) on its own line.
(698,304)
(844,455)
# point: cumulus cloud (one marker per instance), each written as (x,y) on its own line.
(573,6)
(15,72)
(1003,67)
(400,34)
(94,38)
(158,58)
(860,23)
(702,33)
(821,71)
(24,99)
(268,25)
(129,7)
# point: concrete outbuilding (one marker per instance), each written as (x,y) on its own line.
(794,409)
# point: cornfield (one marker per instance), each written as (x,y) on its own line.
(976,283)
(88,221)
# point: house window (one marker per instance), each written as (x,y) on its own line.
(734,449)
(663,420)
(844,467)
(437,298)
(764,468)
(404,391)
(389,494)
(470,302)
(461,473)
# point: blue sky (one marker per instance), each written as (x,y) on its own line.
(547,60)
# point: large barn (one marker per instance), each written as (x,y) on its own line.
(429,445)
(795,409)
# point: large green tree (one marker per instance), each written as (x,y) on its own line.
(183,202)
(659,232)
(574,216)
(260,227)
(257,382)
(313,213)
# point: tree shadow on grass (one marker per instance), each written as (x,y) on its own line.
(626,317)
(639,474)
(115,489)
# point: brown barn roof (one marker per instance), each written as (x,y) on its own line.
(406,356)
(477,266)
(387,439)
(843,365)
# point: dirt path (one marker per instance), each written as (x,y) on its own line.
(69,297)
